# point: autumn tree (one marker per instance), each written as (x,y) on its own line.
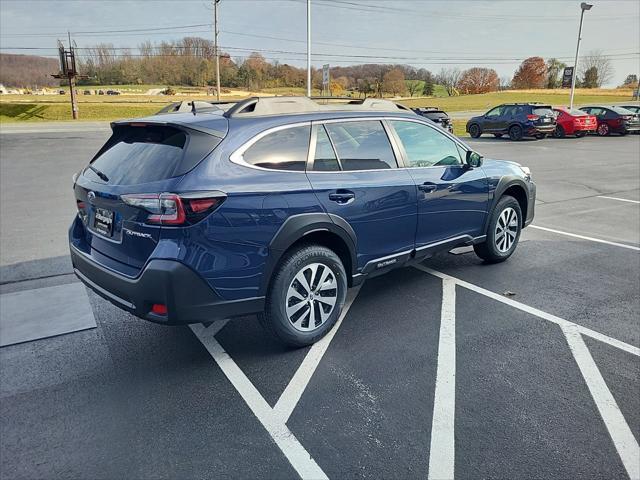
(393,82)
(532,73)
(478,80)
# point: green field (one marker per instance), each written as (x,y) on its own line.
(487,100)
(33,108)
(34,112)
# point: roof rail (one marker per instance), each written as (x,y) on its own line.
(261,106)
(188,106)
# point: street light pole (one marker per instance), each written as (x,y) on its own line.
(308,48)
(583,7)
(215,46)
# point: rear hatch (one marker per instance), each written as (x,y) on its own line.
(116,192)
(543,117)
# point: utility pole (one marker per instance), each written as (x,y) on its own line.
(215,46)
(308,48)
(68,70)
(583,7)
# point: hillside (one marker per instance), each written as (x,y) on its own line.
(27,70)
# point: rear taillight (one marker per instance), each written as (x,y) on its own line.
(532,117)
(174,209)
(82,210)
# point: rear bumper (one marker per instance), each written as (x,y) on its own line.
(537,129)
(189,299)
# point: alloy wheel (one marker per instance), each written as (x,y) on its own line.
(603,129)
(506,230)
(311,297)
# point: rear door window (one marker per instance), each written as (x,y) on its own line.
(362,145)
(142,154)
(281,150)
(325,159)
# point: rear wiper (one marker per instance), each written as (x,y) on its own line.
(99,173)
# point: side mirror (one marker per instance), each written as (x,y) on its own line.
(474,159)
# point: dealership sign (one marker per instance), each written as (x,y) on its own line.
(566,77)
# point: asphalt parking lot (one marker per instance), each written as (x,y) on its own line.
(527,369)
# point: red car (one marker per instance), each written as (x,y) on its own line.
(573,122)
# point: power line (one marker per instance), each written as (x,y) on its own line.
(349,5)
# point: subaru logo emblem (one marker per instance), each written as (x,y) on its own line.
(91,196)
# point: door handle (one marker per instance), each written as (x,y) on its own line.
(428,187)
(342,197)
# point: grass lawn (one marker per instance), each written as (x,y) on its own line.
(33,112)
(21,108)
(488,100)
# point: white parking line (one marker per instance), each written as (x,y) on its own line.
(534,311)
(298,384)
(592,239)
(619,199)
(622,436)
(299,458)
(442,450)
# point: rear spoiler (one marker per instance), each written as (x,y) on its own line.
(180,125)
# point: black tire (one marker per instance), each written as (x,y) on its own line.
(498,135)
(474,130)
(581,134)
(275,319)
(540,136)
(559,132)
(515,132)
(489,250)
(603,130)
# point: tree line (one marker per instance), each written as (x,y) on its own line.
(191,62)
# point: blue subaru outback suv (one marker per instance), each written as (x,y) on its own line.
(276,206)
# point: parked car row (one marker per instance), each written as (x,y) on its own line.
(519,120)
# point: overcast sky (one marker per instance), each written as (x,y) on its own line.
(423,33)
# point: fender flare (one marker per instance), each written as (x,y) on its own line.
(296,227)
(505,183)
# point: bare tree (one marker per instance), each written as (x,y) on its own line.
(413,86)
(598,60)
(448,78)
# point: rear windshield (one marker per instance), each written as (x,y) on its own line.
(543,111)
(435,115)
(142,154)
(621,111)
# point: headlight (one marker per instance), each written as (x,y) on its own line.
(526,171)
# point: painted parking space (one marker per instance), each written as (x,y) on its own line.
(525,399)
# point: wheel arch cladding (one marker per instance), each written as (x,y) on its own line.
(514,187)
(518,192)
(330,231)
